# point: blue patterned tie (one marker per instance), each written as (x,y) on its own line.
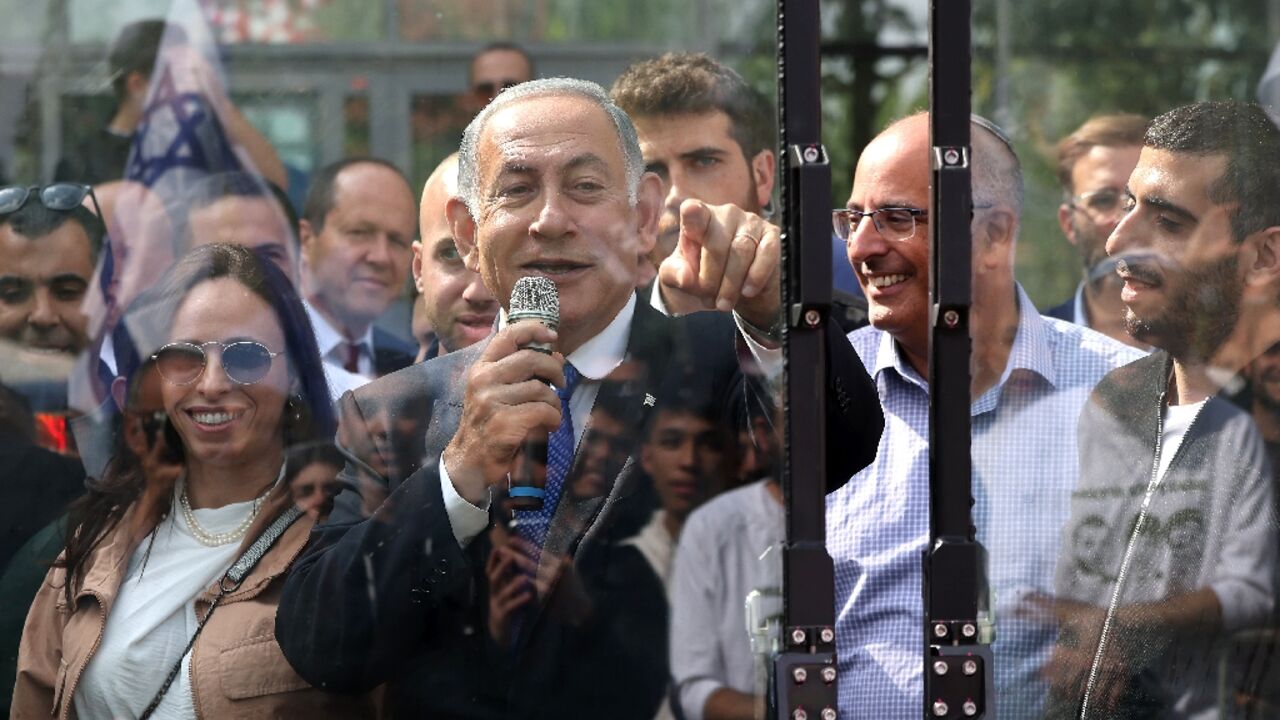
(532,525)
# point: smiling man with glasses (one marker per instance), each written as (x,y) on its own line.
(46,265)
(1094,163)
(1030,377)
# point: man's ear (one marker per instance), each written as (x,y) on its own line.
(416,265)
(118,387)
(463,227)
(1264,265)
(993,237)
(648,211)
(764,169)
(1066,222)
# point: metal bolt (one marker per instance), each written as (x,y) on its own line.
(828,675)
(800,675)
(970,667)
(829,714)
(798,636)
(968,630)
(951,318)
(799,714)
(811,154)
(940,709)
(951,157)
(940,667)
(970,708)
(828,635)
(812,318)
(940,630)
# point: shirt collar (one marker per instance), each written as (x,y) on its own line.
(598,357)
(1080,313)
(1030,350)
(327,336)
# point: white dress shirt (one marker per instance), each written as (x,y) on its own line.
(333,344)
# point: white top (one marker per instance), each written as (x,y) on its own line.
(720,559)
(331,342)
(153,618)
(1177,420)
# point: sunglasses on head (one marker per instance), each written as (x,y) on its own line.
(244,361)
(58,196)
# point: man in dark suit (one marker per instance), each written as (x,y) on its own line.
(357,226)
(409,582)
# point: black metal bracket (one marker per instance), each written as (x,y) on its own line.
(803,674)
(957,633)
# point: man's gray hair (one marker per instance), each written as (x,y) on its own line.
(628,142)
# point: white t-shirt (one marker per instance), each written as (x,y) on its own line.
(1177,420)
(153,618)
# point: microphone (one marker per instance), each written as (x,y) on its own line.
(533,299)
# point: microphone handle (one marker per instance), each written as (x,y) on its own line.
(526,482)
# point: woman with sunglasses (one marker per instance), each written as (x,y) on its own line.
(149,611)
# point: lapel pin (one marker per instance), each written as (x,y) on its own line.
(649,400)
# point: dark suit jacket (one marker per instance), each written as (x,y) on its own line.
(384,592)
(390,352)
(1065,311)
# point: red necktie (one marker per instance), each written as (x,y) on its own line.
(353,357)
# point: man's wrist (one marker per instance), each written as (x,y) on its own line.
(771,334)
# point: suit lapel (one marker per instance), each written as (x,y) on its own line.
(618,416)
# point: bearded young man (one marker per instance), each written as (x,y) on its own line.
(1175,498)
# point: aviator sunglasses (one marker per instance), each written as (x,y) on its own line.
(244,361)
(58,196)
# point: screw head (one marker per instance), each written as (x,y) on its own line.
(951,157)
(828,675)
(970,708)
(968,630)
(940,667)
(940,708)
(800,675)
(799,714)
(829,714)
(798,636)
(970,667)
(940,630)
(811,154)
(827,635)
(951,318)
(812,318)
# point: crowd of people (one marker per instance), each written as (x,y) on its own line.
(236,490)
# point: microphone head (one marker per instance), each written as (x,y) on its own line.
(535,298)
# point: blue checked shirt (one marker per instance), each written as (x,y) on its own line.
(1024,465)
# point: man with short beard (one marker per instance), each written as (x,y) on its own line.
(1144,630)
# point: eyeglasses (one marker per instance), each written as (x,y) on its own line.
(894,223)
(58,196)
(244,361)
(491,89)
(1104,203)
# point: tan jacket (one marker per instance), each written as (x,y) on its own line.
(237,668)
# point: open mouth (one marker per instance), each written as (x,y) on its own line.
(214,419)
(555,268)
(886,281)
(1137,274)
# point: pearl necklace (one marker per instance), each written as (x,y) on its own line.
(211,539)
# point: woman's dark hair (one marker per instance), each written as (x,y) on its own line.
(308,413)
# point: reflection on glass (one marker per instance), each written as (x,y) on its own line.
(247,244)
